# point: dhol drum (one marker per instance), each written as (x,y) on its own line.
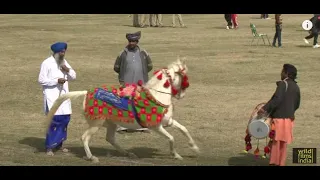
(259,127)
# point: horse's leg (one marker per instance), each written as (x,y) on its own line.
(110,137)
(185,132)
(85,139)
(160,130)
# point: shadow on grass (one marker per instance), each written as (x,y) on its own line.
(163,26)
(258,45)
(35,142)
(304,46)
(247,160)
(220,27)
(141,152)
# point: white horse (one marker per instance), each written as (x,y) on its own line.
(161,88)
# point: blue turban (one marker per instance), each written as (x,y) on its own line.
(58,47)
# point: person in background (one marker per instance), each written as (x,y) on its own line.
(152,20)
(179,19)
(314,32)
(135,18)
(159,20)
(265,16)
(155,20)
(277,35)
(143,20)
(227,17)
(234,18)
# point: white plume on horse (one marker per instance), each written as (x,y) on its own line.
(176,74)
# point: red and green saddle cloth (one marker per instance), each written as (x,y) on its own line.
(148,112)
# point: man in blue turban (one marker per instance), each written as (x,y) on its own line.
(55,73)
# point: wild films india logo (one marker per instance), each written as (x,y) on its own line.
(304,155)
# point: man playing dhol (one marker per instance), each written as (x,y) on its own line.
(281,108)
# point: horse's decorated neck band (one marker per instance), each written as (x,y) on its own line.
(168,83)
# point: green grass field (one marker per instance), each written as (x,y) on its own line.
(228,78)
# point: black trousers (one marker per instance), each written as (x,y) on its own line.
(227,17)
(314,33)
(277,35)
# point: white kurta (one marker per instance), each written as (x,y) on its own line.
(48,78)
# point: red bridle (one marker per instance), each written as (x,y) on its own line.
(168,83)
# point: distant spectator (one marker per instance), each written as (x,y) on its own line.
(179,19)
(227,17)
(143,20)
(277,35)
(265,16)
(234,18)
(135,20)
(155,20)
(159,20)
(314,32)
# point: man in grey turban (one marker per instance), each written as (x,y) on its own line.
(133,63)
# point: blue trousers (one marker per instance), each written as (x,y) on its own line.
(57,132)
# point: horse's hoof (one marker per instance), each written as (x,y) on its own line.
(178,157)
(94,159)
(132,155)
(196,149)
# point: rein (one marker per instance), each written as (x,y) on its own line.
(161,91)
(151,98)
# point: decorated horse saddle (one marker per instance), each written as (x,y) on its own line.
(111,98)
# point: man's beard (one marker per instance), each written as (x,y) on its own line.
(132,47)
(59,59)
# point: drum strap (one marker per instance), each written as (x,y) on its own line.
(286,84)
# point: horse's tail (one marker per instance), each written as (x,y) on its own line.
(59,101)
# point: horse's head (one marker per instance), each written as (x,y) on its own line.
(173,79)
(178,76)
